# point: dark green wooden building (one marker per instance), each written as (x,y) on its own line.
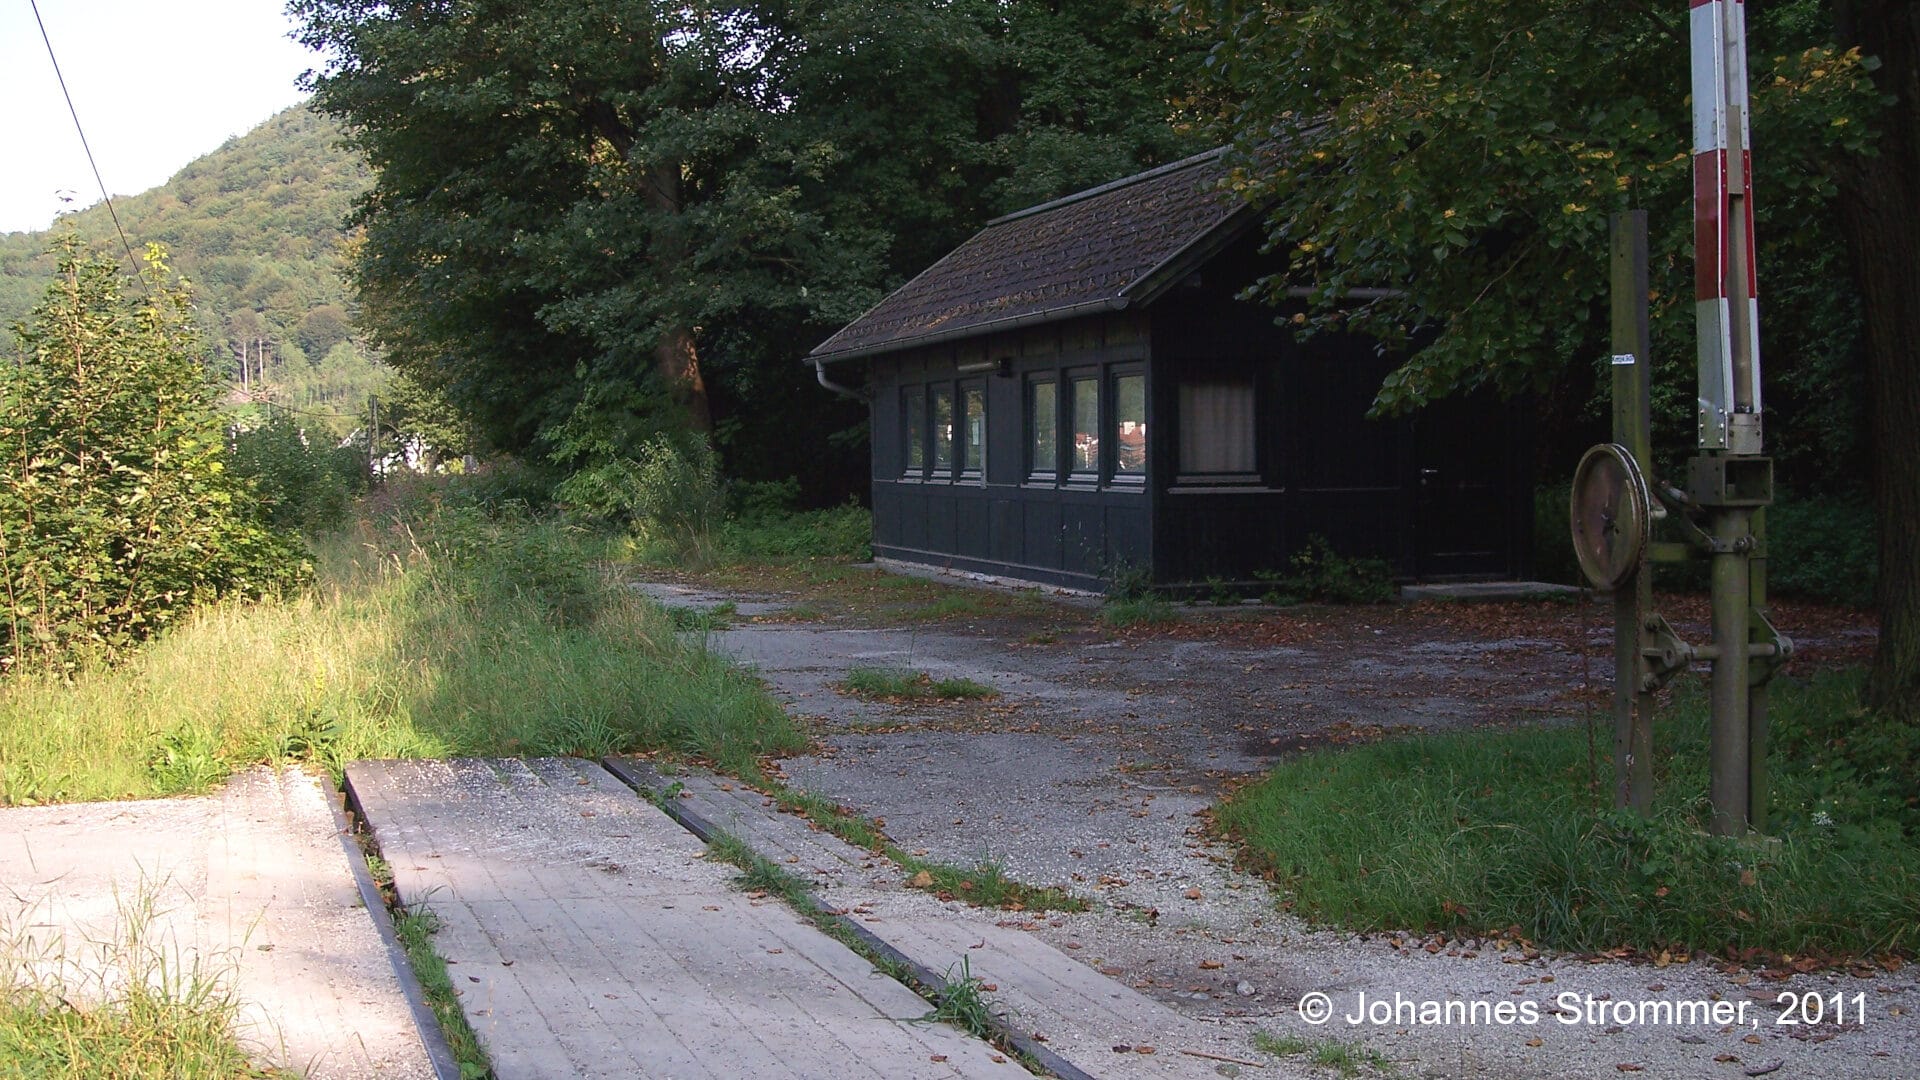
(1076,391)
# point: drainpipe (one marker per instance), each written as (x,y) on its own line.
(820,371)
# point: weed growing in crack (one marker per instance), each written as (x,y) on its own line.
(906,684)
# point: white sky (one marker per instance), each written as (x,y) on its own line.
(157,83)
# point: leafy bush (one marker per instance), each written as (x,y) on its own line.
(303,482)
(119,514)
(843,532)
(669,493)
(1823,548)
(447,634)
(1319,574)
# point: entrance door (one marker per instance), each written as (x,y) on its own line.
(1463,500)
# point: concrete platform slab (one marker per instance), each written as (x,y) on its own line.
(590,937)
(251,883)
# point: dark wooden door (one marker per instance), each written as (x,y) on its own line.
(1463,512)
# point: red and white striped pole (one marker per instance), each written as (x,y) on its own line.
(1727,312)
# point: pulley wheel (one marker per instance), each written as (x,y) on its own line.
(1612,515)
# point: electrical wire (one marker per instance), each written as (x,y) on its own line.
(84,145)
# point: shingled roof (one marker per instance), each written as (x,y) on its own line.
(1107,248)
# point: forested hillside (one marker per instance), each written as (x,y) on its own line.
(256,228)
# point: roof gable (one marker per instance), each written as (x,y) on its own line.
(1102,249)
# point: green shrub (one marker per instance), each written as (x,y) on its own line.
(1823,549)
(120,513)
(669,493)
(1321,575)
(303,483)
(843,532)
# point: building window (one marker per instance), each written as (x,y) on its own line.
(1216,427)
(1043,427)
(914,407)
(1130,425)
(973,412)
(1085,421)
(943,429)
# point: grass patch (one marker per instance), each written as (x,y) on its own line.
(1513,833)
(1348,1059)
(450,633)
(984,885)
(414,927)
(703,620)
(134,1010)
(1138,611)
(960,1001)
(904,684)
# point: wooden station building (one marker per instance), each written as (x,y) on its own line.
(1076,392)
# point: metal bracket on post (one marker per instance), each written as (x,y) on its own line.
(1665,654)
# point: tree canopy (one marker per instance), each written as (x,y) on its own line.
(1457,160)
(607,218)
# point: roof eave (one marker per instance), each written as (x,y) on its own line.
(1174,269)
(1010,322)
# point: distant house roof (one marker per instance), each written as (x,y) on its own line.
(1106,248)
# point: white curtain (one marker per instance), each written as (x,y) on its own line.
(1216,426)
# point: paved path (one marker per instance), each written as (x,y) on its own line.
(252,883)
(1086,1023)
(590,937)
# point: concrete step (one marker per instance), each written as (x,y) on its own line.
(589,937)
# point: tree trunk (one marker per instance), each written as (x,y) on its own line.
(1880,210)
(675,357)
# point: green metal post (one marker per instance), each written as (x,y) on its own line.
(1632,598)
(1757,723)
(1729,755)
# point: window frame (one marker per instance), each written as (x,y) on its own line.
(1110,422)
(936,391)
(965,446)
(1039,472)
(913,442)
(1095,473)
(1191,477)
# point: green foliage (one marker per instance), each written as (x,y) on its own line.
(1469,157)
(119,514)
(1139,611)
(844,532)
(258,227)
(1475,833)
(134,1009)
(438,631)
(902,684)
(1318,574)
(1823,547)
(562,192)
(669,493)
(303,483)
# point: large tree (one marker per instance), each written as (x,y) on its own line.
(1881,201)
(1458,160)
(597,218)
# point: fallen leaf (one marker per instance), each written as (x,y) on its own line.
(1629,1067)
(1193,894)
(1536,1041)
(1143,1049)
(921,880)
(1209,965)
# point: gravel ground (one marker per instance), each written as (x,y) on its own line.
(1089,768)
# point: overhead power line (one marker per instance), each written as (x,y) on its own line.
(84,145)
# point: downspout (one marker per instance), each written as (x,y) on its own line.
(820,371)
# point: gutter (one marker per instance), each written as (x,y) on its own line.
(820,372)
